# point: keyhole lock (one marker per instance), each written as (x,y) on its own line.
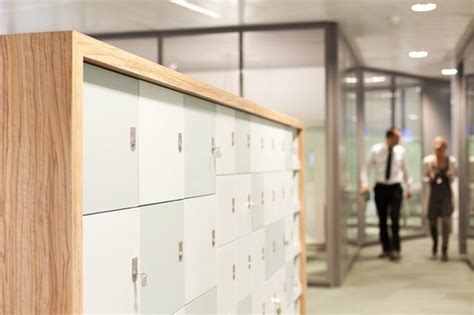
(133,138)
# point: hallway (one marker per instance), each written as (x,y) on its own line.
(416,285)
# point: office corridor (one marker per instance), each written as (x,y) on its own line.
(416,285)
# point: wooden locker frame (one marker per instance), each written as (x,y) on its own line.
(41,82)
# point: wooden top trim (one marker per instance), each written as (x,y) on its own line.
(104,55)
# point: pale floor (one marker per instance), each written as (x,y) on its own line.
(416,285)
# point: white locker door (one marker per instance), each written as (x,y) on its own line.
(181,311)
(226,209)
(257,144)
(204,304)
(296,207)
(258,255)
(199,147)
(258,198)
(245,306)
(244,203)
(271,208)
(161,257)
(244,267)
(275,254)
(199,245)
(288,140)
(226,279)
(289,245)
(225,140)
(110,120)
(242,142)
(279,290)
(297,287)
(269,146)
(161,144)
(110,243)
(290,280)
(259,303)
(295,237)
(287,178)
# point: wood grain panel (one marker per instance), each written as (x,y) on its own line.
(112,58)
(302,222)
(39,231)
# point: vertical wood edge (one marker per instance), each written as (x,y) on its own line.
(77,170)
(301,192)
(38,225)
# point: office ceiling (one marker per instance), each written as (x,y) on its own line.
(382,31)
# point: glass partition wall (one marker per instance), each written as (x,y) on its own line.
(394,100)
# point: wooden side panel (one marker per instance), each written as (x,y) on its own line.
(303,279)
(112,58)
(40,254)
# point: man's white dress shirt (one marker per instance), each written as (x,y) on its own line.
(378,159)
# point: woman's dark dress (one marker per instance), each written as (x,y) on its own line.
(440,203)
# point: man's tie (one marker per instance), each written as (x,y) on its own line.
(389,164)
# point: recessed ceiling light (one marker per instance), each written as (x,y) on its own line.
(449,71)
(350,80)
(423,7)
(196,8)
(375,79)
(418,54)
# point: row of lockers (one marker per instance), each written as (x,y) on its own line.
(146,144)
(277,295)
(161,257)
(246,203)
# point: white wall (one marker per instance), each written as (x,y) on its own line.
(227,80)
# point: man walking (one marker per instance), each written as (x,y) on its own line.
(391,169)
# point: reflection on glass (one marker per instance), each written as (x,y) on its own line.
(351,169)
(378,118)
(470,129)
(408,104)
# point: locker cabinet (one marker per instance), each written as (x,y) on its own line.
(203,304)
(226,209)
(110,243)
(242,142)
(162,257)
(110,149)
(274,250)
(244,203)
(225,140)
(226,279)
(200,147)
(178,205)
(199,245)
(161,114)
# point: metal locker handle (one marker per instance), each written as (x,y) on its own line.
(233,138)
(134,269)
(233,272)
(248,140)
(263,198)
(180,251)
(250,262)
(180,142)
(133,138)
(274,246)
(213,238)
(263,253)
(233,205)
(261,142)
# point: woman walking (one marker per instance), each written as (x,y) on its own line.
(440,171)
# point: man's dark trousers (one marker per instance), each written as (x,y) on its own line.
(389,197)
